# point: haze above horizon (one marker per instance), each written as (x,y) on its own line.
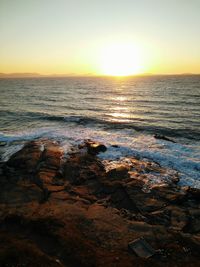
(114,37)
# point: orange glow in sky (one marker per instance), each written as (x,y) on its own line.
(100,37)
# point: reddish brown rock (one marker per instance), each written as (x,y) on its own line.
(120,172)
(73,212)
(94,148)
(27,158)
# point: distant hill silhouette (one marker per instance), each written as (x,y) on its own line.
(19,75)
(35,74)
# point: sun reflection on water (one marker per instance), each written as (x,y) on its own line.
(119,112)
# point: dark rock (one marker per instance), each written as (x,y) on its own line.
(95,148)
(120,172)
(115,146)
(3,143)
(27,158)
(142,248)
(179,218)
(194,221)
(170,193)
(162,137)
(194,192)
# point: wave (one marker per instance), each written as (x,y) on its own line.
(107,124)
(136,124)
(173,156)
(179,157)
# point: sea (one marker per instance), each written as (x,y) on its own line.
(123,113)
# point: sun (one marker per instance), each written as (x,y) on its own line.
(121,60)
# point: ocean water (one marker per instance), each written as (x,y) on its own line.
(116,111)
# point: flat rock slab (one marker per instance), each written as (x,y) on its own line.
(142,248)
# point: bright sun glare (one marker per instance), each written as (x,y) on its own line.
(121,60)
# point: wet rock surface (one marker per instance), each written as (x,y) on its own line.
(71,210)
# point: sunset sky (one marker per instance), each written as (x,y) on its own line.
(100,36)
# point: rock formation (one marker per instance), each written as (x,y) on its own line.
(70,210)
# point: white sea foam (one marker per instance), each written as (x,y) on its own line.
(183,158)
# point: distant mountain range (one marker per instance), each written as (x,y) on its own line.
(31,75)
(35,74)
(16,75)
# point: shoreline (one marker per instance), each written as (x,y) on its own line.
(72,209)
(169,152)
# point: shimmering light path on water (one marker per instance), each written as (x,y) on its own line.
(125,111)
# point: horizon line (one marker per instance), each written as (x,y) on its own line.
(35,75)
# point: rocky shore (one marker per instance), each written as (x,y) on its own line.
(71,209)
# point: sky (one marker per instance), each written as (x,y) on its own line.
(81,37)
